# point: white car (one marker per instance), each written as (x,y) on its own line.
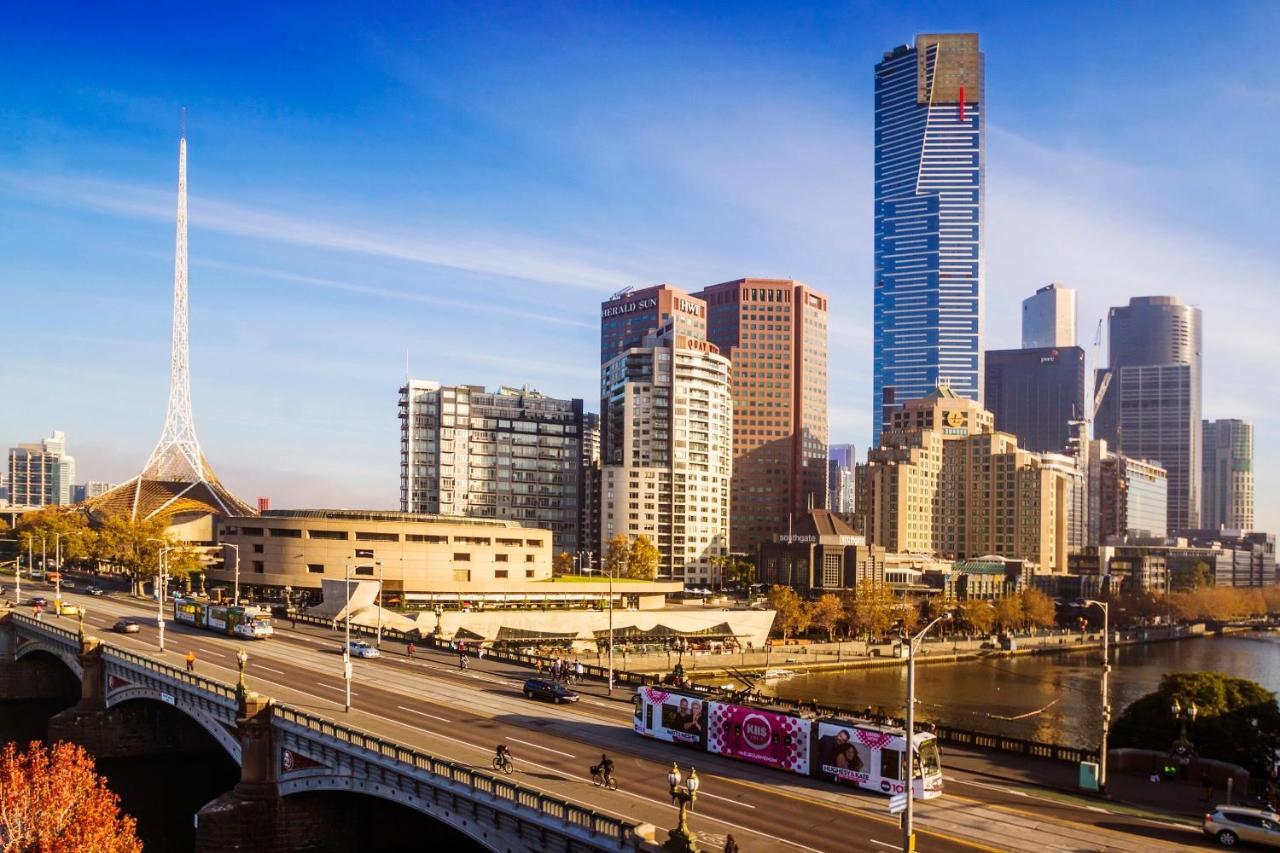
(362,649)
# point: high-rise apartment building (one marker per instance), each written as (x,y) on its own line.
(90,490)
(510,454)
(775,334)
(1049,318)
(1152,408)
(629,315)
(589,493)
(1227,484)
(1036,394)
(41,473)
(944,482)
(929,163)
(666,448)
(841,460)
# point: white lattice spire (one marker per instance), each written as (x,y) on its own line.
(177,456)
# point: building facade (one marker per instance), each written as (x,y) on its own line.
(1049,318)
(1133,497)
(840,490)
(1036,394)
(929,266)
(629,315)
(1152,408)
(821,554)
(589,494)
(1227,475)
(41,473)
(775,334)
(944,482)
(666,448)
(511,454)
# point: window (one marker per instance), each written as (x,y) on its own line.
(528,573)
(257,547)
(258,567)
(369,536)
(471,540)
(462,574)
(461,558)
(534,543)
(285,532)
(500,573)
(315,568)
(364,570)
(890,764)
(499,558)
(327,534)
(429,539)
(250,531)
(528,558)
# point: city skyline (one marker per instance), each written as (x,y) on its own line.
(303,270)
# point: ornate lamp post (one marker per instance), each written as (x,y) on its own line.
(242,660)
(80,617)
(680,839)
(1183,749)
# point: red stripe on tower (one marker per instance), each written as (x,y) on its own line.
(962,103)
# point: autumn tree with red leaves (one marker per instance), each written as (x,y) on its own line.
(53,800)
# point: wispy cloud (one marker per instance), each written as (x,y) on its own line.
(510,256)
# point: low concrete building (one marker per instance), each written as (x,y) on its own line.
(820,554)
(985,578)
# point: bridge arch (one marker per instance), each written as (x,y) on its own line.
(228,739)
(459,817)
(70,660)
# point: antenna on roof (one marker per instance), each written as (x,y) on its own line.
(621,293)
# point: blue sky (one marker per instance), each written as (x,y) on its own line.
(463,183)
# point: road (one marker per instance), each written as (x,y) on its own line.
(426,702)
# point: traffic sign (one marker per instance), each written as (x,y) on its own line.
(898,803)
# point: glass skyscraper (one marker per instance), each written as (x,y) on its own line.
(928,218)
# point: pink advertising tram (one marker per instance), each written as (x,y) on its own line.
(844,751)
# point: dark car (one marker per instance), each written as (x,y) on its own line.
(126,626)
(536,688)
(39,601)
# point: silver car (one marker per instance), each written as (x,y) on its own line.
(1233,824)
(361,649)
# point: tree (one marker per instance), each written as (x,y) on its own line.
(642,560)
(562,564)
(616,555)
(909,615)
(789,610)
(1183,578)
(60,527)
(1271,598)
(1038,610)
(870,609)
(826,614)
(1227,709)
(52,799)
(740,572)
(1009,612)
(979,615)
(131,545)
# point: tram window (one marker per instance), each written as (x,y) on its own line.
(639,703)
(890,764)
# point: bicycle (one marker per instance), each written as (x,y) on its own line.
(504,764)
(599,779)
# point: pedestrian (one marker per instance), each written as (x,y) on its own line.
(480,653)
(293,619)
(191,661)
(408,649)
(580,671)
(730,846)
(537,665)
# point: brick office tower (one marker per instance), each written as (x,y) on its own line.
(629,315)
(774,332)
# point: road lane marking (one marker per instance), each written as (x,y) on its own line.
(424,714)
(539,746)
(330,686)
(269,669)
(883,843)
(210,651)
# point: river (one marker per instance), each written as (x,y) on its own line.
(984,694)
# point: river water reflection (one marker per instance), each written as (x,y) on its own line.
(983,694)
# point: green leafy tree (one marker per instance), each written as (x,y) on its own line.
(1237,720)
(130,545)
(616,556)
(642,559)
(826,614)
(61,527)
(740,572)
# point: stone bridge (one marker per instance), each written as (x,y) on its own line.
(284,751)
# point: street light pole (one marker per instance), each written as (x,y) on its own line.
(236,591)
(160,589)
(908,816)
(1106,706)
(346,647)
(380,602)
(57,562)
(610,691)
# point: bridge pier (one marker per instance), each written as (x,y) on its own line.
(34,677)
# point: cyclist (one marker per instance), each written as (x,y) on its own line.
(604,769)
(502,755)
